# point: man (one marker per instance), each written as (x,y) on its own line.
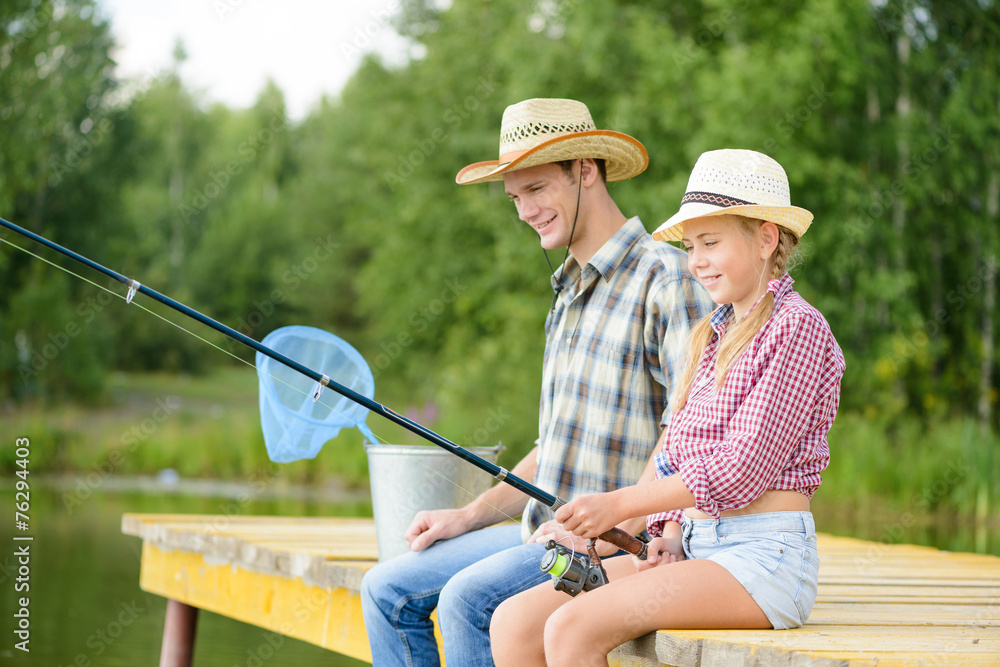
(616,336)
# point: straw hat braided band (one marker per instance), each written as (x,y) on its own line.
(541,131)
(736,182)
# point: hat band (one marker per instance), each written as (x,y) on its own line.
(714,199)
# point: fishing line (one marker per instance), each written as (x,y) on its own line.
(137,304)
(243,361)
(559,286)
(615,535)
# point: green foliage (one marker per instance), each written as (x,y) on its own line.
(914,467)
(57,174)
(884,115)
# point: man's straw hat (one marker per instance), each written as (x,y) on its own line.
(736,182)
(540,131)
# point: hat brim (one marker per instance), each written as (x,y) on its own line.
(794,219)
(624,157)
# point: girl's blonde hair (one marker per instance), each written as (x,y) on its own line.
(737,338)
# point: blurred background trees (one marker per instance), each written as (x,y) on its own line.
(886,116)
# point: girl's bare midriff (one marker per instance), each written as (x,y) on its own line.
(770,501)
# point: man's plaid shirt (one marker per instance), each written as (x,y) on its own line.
(614,342)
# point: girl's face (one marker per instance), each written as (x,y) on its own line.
(731,265)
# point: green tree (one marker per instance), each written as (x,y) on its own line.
(62,153)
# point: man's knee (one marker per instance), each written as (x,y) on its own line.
(376,585)
(370,586)
(457,593)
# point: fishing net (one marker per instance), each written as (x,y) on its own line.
(295,426)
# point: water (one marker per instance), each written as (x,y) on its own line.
(87,608)
(879,523)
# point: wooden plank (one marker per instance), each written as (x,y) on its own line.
(346,539)
(326,616)
(863,591)
(898,659)
(807,646)
(855,638)
(918,615)
(882,604)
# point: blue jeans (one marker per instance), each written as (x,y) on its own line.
(465,578)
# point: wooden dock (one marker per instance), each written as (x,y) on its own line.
(878,604)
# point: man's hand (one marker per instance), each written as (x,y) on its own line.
(551,530)
(430,526)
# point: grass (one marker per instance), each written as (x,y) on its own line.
(209,427)
(911,467)
(200,426)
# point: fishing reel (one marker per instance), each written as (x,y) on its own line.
(572,572)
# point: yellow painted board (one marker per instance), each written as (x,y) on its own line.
(916,580)
(854,639)
(917,614)
(327,617)
(863,592)
(952,573)
(805,647)
(908,659)
(920,595)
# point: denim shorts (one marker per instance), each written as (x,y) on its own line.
(772,554)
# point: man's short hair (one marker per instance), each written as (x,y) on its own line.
(567,167)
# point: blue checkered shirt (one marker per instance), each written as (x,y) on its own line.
(615,340)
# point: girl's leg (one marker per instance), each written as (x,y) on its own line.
(517,625)
(689,594)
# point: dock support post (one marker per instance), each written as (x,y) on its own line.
(178,635)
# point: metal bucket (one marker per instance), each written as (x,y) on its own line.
(408,478)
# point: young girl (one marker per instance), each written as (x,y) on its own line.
(734,542)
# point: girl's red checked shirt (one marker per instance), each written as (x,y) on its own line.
(765,428)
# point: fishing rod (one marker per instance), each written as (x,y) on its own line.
(615,536)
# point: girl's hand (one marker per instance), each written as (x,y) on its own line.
(589,516)
(660,550)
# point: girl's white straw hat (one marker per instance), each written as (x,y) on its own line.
(540,131)
(734,181)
